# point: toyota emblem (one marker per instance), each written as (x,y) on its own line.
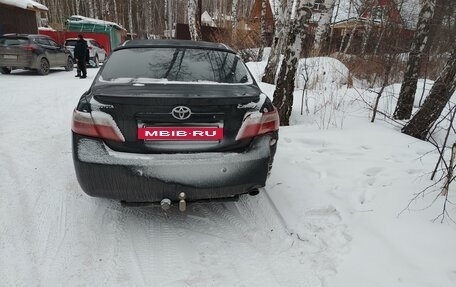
(181,113)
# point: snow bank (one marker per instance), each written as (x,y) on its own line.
(318,72)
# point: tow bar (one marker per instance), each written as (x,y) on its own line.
(166,203)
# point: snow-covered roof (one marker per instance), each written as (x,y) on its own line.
(86,20)
(25,4)
(46,29)
(409,10)
(207,19)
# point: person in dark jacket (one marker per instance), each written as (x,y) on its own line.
(80,54)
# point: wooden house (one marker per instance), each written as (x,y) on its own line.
(20,16)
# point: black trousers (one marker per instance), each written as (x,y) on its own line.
(82,68)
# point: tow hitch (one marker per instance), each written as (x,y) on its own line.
(165,203)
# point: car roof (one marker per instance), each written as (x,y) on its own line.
(168,43)
(77,39)
(24,35)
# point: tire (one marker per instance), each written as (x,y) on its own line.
(5,70)
(70,64)
(44,67)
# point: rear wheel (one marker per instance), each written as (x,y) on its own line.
(5,70)
(70,64)
(44,67)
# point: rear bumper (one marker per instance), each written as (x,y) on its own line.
(24,62)
(102,172)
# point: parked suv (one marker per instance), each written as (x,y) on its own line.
(166,119)
(96,51)
(36,52)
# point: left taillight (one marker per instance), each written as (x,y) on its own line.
(257,123)
(96,124)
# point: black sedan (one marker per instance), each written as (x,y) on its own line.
(170,120)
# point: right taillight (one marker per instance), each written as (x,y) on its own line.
(257,123)
(96,124)
(29,47)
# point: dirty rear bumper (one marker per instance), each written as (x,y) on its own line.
(102,172)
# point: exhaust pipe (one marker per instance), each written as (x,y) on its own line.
(165,204)
(254,192)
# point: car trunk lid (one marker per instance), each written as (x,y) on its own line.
(151,106)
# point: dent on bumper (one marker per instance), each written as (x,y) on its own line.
(106,173)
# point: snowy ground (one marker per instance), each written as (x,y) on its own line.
(329,218)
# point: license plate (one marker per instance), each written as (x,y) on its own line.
(180,133)
(10,57)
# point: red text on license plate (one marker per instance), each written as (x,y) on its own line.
(180,133)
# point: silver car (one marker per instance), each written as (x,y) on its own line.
(32,52)
(96,50)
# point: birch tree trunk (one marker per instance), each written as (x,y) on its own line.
(331,33)
(280,35)
(166,19)
(441,92)
(193,24)
(322,30)
(116,15)
(95,9)
(102,9)
(367,33)
(283,94)
(407,94)
(263,30)
(91,14)
(234,19)
(130,19)
(342,42)
(170,18)
(352,35)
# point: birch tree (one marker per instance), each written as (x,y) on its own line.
(407,94)
(441,92)
(193,24)
(280,37)
(95,9)
(283,94)
(116,15)
(368,30)
(91,15)
(322,29)
(234,18)
(263,30)
(130,18)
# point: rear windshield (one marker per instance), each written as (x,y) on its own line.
(70,42)
(159,65)
(7,41)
